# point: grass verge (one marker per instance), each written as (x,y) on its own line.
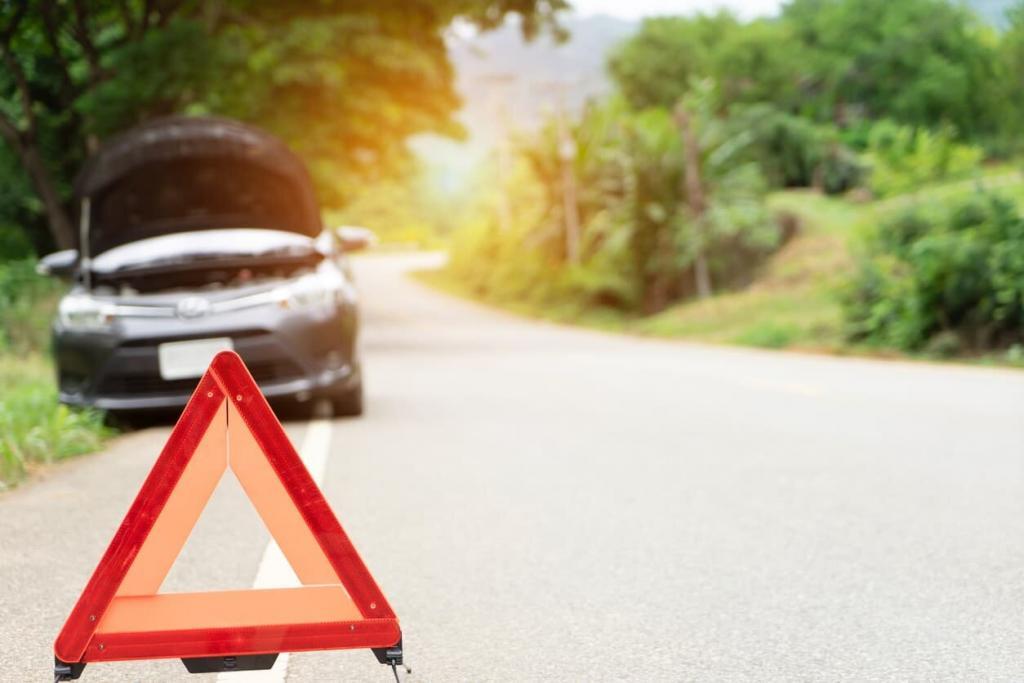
(793,302)
(35,430)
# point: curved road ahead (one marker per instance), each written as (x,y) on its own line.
(542,503)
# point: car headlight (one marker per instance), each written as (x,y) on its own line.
(82,312)
(308,292)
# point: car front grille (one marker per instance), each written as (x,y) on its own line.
(235,334)
(144,383)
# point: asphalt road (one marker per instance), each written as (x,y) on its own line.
(541,503)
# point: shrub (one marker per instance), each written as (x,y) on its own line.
(904,158)
(34,428)
(793,151)
(942,278)
(27,304)
(841,169)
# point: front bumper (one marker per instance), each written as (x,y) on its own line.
(325,384)
(291,355)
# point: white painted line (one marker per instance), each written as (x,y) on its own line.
(274,570)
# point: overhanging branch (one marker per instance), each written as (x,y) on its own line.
(51,28)
(84,38)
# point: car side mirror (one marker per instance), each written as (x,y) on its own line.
(355,238)
(60,264)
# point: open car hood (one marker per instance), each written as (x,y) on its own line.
(182,174)
(206,249)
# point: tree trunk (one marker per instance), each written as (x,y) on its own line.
(60,224)
(695,198)
(25,144)
(658,288)
(701,275)
(570,207)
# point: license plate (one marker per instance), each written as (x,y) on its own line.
(184,359)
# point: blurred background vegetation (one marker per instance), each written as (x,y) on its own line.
(840,176)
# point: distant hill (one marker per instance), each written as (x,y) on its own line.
(506,82)
(500,75)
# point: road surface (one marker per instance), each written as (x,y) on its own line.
(542,503)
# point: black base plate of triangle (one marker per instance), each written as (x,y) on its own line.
(211,665)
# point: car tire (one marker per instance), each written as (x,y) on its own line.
(349,403)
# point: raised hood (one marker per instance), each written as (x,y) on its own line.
(181,174)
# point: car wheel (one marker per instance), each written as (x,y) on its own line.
(349,403)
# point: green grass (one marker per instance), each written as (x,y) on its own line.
(566,312)
(1004,177)
(793,302)
(35,430)
(803,316)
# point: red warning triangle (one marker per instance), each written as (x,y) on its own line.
(227,424)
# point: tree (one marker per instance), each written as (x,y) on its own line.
(345,82)
(759,62)
(694,192)
(1011,53)
(920,62)
(654,67)
(724,192)
(580,167)
(20,120)
(753,62)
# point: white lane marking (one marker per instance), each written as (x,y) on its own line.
(274,570)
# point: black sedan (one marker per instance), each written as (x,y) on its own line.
(199,235)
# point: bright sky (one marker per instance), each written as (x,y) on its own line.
(634,9)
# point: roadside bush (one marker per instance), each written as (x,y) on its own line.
(498,266)
(27,304)
(522,260)
(518,268)
(34,428)
(942,279)
(904,158)
(14,244)
(841,169)
(793,151)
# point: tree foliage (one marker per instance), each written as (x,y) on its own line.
(903,159)
(345,82)
(640,239)
(918,62)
